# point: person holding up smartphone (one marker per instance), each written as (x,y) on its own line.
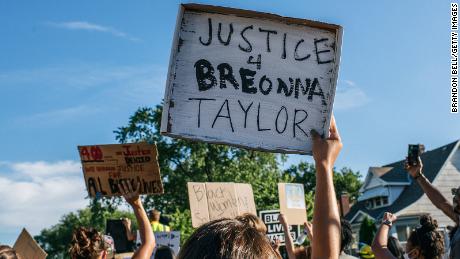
(452,210)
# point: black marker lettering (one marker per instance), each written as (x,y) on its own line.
(285,122)
(296,123)
(203,76)
(224,116)
(283,87)
(226,74)
(261,84)
(320,92)
(199,107)
(247,81)
(249,47)
(268,37)
(296,56)
(283,56)
(322,51)
(229,37)
(245,111)
(209,35)
(258,120)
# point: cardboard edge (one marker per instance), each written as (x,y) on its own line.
(261,15)
(165,120)
(338,52)
(201,139)
(194,223)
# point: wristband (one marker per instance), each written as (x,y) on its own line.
(388,223)
(417,176)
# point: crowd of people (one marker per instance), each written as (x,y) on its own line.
(244,237)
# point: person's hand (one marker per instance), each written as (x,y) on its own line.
(390,217)
(414,170)
(131,196)
(282,219)
(309,227)
(276,244)
(127,223)
(325,151)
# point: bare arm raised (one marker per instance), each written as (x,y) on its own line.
(326,240)
(287,237)
(145,230)
(379,245)
(432,192)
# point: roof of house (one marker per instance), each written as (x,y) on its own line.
(432,162)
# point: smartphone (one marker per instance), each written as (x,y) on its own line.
(413,153)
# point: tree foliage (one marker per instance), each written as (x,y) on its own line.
(367,231)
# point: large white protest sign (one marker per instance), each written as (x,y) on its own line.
(250,79)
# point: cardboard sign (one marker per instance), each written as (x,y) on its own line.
(27,247)
(292,202)
(250,79)
(210,201)
(170,239)
(198,203)
(105,165)
(275,228)
(222,200)
(245,197)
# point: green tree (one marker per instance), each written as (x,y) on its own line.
(183,161)
(345,180)
(367,231)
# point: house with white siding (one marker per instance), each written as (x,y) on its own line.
(390,188)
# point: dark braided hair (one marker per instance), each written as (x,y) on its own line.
(427,239)
(87,243)
(346,234)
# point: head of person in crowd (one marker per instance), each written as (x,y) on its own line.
(155,215)
(456,200)
(253,221)
(346,234)
(425,241)
(395,247)
(164,252)
(302,252)
(7,252)
(87,243)
(228,238)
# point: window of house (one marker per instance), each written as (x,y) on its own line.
(384,200)
(377,202)
(369,204)
(402,233)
